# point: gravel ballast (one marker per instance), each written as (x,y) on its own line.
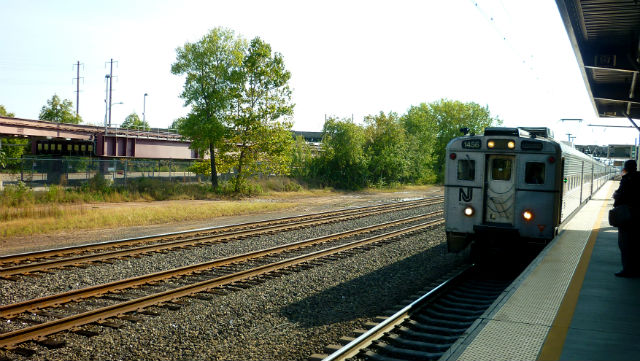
(74,278)
(287,317)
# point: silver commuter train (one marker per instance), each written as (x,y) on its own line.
(514,184)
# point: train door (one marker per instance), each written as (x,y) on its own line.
(500,189)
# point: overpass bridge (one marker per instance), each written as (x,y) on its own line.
(50,138)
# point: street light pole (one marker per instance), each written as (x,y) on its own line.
(144,107)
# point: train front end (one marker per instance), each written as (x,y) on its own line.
(501,187)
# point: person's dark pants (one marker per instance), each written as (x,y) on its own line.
(629,251)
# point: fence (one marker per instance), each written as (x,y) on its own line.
(39,172)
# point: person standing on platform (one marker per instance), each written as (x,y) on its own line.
(629,234)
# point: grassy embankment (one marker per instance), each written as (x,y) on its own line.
(24,212)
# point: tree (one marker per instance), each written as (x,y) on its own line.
(5,113)
(444,118)
(301,158)
(133,121)
(211,66)
(421,138)
(11,148)
(386,148)
(60,111)
(342,163)
(175,124)
(262,104)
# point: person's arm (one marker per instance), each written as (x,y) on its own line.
(621,195)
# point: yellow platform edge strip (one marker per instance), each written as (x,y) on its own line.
(554,342)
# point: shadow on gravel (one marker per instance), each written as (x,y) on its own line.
(370,295)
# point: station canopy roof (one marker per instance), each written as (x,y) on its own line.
(605,38)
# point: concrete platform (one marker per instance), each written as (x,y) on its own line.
(567,305)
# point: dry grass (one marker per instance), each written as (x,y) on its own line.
(306,193)
(399,188)
(34,219)
(56,218)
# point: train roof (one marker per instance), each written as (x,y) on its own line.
(539,133)
(523,132)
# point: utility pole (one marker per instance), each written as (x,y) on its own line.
(77,78)
(144,107)
(110,88)
(107,101)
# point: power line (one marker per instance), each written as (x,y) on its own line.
(503,34)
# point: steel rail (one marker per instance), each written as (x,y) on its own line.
(15,258)
(8,272)
(12,310)
(10,339)
(353,348)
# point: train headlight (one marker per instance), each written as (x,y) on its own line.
(527,215)
(511,144)
(469,211)
(491,144)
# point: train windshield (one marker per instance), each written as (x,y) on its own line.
(501,169)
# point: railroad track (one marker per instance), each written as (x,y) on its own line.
(202,279)
(43,261)
(427,327)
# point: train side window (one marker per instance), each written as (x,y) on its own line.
(501,169)
(76,147)
(59,146)
(46,147)
(40,146)
(466,169)
(534,173)
(69,147)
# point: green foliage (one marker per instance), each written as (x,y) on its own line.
(60,111)
(260,126)
(98,183)
(5,113)
(16,195)
(175,125)
(240,104)
(386,149)
(11,147)
(390,150)
(421,138)
(11,150)
(211,67)
(200,167)
(342,163)
(133,121)
(449,116)
(301,158)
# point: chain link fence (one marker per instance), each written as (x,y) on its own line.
(39,172)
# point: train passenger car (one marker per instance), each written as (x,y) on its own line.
(514,185)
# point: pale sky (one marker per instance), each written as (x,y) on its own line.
(347,58)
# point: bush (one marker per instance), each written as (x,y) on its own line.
(98,183)
(280,184)
(17,195)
